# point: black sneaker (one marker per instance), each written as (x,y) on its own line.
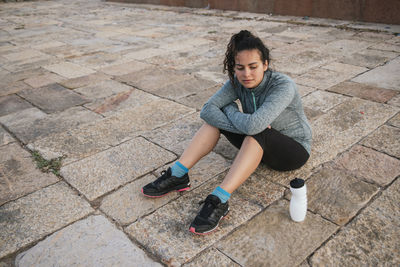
(165,184)
(209,216)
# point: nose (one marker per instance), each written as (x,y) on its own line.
(246,72)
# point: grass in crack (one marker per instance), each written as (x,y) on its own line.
(53,165)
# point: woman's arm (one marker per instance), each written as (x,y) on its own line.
(212,110)
(273,106)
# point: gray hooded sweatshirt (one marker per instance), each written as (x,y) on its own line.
(275,102)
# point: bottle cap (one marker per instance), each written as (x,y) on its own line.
(296,183)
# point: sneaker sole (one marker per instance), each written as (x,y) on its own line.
(178,190)
(193,230)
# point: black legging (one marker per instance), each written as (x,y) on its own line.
(281,152)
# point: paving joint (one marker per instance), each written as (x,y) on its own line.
(117,136)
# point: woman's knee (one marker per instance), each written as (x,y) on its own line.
(210,129)
(251,140)
(209,126)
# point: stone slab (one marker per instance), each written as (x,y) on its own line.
(394,40)
(34,216)
(385,76)
(225,148)
(103,89)
(346,125)
(145,54)
(69,70)
(170,238)
(215,76)
(181,60)
(284,38)
(198,99)
(373,36)
(100,135)
(187,44)
(13,87)
(272,239)
(345,68)
(43,80)
(183,89)
(132,99)
(7,262)
(395,101)
(125,68)
(177,135)
(84,80)
(393,28)
(305,264)
(153,79)
(28,128)
(49,44)
(364,91)
(322,101)
(368,164)
(5,137)
(322,78)
(19,175)
(300,62)
(212,257)
(29,64)
(344,47)
(334,34)
(101,173)
(53,98)
(23,55)
(65,52)
(312,114)
(23,117)
(93,241)
(395,121)
(385,139)
(337,195)
(370,239)
(301,47)
(12,103)
(97,60)
(128,204)
(369,58)
(9,78)
(387,47)
(305,90)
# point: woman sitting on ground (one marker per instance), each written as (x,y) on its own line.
(272,129)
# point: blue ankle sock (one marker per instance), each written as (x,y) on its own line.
(222,194)
(178,170)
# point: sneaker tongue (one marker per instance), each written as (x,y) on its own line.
(210,204)
(213,199)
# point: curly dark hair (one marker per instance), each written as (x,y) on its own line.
(244,40)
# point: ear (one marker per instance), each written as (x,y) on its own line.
(265,65)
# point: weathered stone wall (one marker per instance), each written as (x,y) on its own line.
(10,1)
(359,10)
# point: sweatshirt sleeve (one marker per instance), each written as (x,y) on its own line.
(212,110)
(274,104)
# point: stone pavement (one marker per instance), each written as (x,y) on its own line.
(114,91)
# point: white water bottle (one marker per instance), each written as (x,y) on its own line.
(298,202)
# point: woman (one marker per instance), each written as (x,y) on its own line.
(272,129)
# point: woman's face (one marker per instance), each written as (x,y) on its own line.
(249,68)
